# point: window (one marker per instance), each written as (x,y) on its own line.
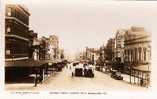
(9,11)
(139,54)
(145,56)
(8,29)
(135,54)
(7,52)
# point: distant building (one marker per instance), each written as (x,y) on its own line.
(32,42)
(54,47)
(110,49)
(61,54)
(43,48)
(92,54)
(54,41)
(17,35)
(32,36)
(102,56)
(119,45)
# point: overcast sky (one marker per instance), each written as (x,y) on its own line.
(81,23)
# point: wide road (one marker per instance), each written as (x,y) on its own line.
(63,81)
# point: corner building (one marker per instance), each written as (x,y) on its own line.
(17,36)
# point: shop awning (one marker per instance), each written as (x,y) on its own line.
(145,68)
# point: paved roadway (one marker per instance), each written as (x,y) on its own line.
(63,81)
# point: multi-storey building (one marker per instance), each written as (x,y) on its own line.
(137,46)
(32,36)
(54,47)
(44,48)
(110,49)
(138,53)
(16,32)
(92,55)
(119,45)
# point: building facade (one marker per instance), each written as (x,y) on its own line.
(110,49)
(54,47)
(44,48)
(137,46)
(138,54)
(32,42)
(17,35)
(61,54)
(92,55)
(119,45)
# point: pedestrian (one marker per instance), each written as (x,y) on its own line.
(72,70)
(35,56)
(141,82)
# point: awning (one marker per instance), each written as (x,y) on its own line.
(27,63)
(143,68)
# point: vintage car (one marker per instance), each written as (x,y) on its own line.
(77,70)
(89,71)
(97,68)
(116,75)
(75,63)
(83,70)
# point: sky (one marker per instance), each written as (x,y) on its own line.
(81,23)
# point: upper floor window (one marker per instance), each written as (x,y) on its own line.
(7,52)
(9,11)
(8,29)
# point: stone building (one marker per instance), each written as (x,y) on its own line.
(119,45)
(110,49)
(138,53)
(54,47)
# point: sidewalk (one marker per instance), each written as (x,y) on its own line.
(126,79)
(134,81)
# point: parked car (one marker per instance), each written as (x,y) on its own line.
(97,68)
(116,75)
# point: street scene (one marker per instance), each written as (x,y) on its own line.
(64,81)
(79,47)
